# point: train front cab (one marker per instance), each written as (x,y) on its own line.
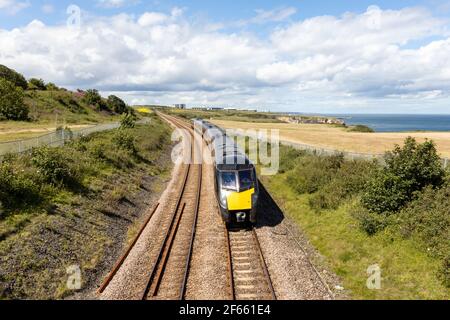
(237,192)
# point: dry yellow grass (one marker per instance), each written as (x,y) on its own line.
(330,137)
(10,131)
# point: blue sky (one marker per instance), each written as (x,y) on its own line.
(352,56)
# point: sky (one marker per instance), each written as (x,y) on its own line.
(348,56)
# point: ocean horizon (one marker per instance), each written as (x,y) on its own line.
(396,122)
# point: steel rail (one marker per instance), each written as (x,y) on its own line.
(230,264)
(193,232)
(264,265)
(158,269)
(161,250)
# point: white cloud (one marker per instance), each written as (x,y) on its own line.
(152,18)
(265,16)
(115,3)
(13,6)
(355,59)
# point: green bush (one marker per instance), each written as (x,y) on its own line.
(116,104)
(128,121)
(51,87)
(313,172)
(36,84)
(69,102)
(16,78)
(408,170)
(16,188)
(289,157)
(93,98)
(125,141)
(370,222)
(428,219)
(349,181)
(12,106)
(57,166)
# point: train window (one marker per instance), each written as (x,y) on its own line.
(228,180)
(246,179)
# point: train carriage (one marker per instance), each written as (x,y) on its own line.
(236,184)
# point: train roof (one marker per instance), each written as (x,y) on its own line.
(228,155)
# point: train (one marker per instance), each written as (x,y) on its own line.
(236,184)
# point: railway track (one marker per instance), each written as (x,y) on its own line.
(248,273)
(249,278)
(167,280)
(169,274)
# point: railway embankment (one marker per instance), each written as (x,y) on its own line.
(67,213)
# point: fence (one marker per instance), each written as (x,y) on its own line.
(55,139)
(329,152)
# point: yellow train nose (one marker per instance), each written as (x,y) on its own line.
(240,200)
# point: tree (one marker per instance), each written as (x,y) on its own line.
(11,102)
(116,104)
(36,84)
(51,87)
(408,170)
(16,78)
(93,98)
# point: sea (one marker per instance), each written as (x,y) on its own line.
(398,122)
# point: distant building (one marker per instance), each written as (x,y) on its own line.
(180,106)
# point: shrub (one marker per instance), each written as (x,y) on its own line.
(16,78)
(428,218)
(408,170)
(116,104)
(128,121)
(93,98)
(370,222)
(16,188)
(68,101)
(56,166)
(36,84)
(361,128)
(51,87)
(97,150)
(289,157)
(349,181)
(313,172)
(11,102)
(124,141)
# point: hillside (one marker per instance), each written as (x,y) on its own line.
(33,107)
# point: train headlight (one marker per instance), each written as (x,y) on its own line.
(254,199)
(223,198)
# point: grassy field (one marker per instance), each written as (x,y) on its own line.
(332,137)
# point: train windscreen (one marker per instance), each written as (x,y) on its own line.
(246,180)
(229,180)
